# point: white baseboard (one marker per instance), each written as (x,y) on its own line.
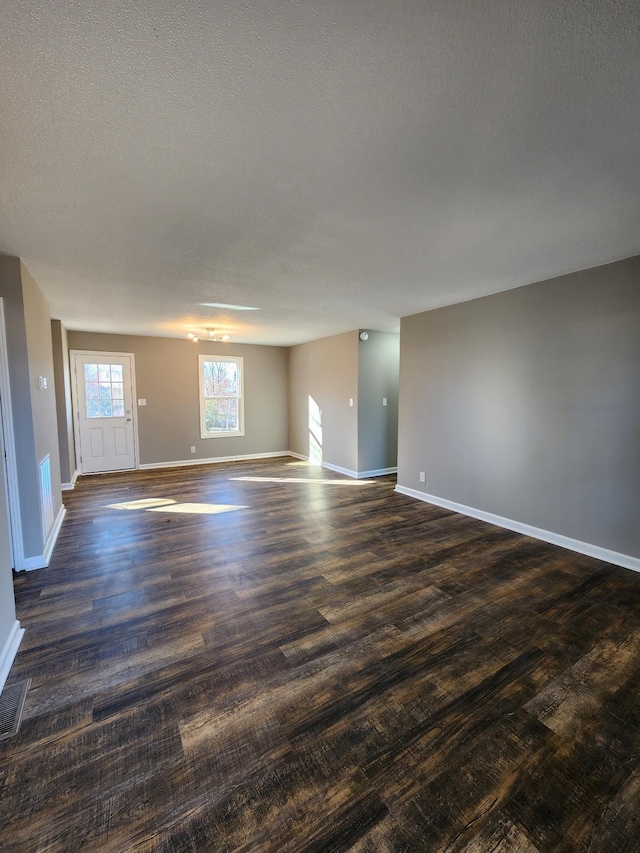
(356,475)
(67,487)
(359,475)
(181,463)
(624,560)
(42,560)
(377,472)
(53,535)
(8,653)
(339,470)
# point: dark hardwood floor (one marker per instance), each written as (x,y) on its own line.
(326,666)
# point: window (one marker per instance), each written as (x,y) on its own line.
(221,400)
(104,390)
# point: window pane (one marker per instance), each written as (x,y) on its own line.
(211,415)
(232,379)
(93,409)
(116,373)
(117,391)
(92,391)
(220,379)
(233,414)
(221,414)
(118,408)
(91,372)
(104,372)
(106,409)
(207,378)
(105,391)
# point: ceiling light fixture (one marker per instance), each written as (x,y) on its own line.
(211,336)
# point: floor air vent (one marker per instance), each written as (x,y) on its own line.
(46,496)
(12,701)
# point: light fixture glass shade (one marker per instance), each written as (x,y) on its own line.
(211,336)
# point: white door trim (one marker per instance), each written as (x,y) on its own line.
(11,467)
(74,354)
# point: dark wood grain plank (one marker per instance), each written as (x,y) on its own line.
(331,666)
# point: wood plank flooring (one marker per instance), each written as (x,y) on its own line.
(269,657)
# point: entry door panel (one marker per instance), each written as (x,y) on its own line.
(104,411)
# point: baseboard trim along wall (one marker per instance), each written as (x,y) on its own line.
(67,487)
(181,463)
(339,470)
(359,475)
(377,472)
(42,560)
(9,652)
(624,560)
(356,475)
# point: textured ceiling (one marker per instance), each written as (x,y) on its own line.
(337,164)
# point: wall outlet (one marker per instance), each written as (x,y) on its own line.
(423,477)
(384,401)
(193,448)
(351,401)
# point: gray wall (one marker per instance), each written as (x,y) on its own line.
(43,402)
(7,600)
(30,355)
(11,292)
(378,377)
(526,404)
(167,376)
(327,371)
(63,401)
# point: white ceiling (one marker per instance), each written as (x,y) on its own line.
(337,164)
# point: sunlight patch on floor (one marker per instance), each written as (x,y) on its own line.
(198,509)
(168,505)
(143,503)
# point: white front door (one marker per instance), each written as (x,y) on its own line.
(103,411)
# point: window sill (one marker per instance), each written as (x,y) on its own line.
(234,434)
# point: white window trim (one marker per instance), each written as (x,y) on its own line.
(232,359)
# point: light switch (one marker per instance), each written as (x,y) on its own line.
(42,383)
(384,401)
(142,401)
